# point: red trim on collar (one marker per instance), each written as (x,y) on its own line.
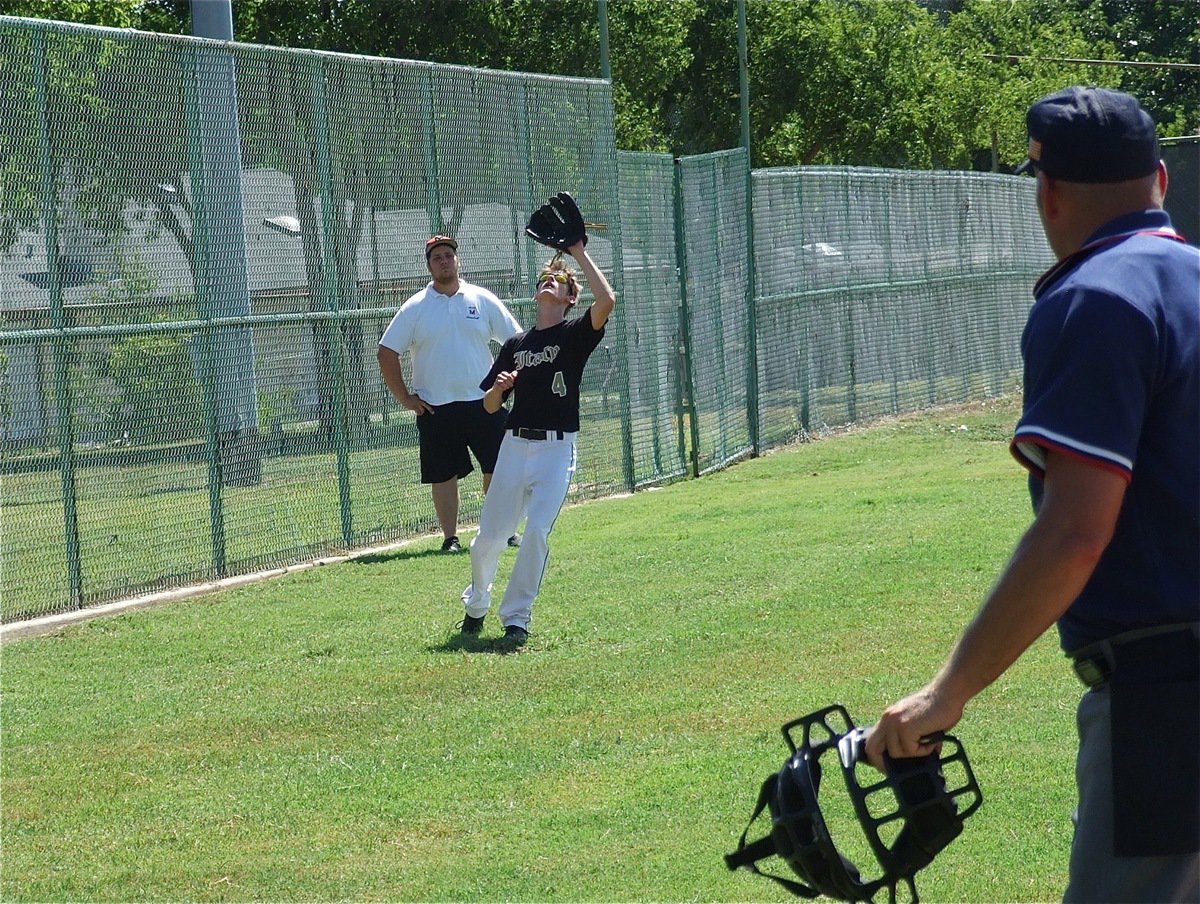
(1073,260)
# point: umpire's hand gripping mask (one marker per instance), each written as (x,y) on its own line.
(919,804)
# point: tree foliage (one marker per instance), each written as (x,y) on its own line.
(112,13)
(871,82)
(876,59)
(1154,31)
(1002,66)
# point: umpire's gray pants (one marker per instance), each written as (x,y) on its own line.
(1096,874)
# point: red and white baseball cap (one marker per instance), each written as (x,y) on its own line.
(439,240)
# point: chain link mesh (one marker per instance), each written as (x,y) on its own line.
(717,304)
(885,291)
(651,313)
(201,243)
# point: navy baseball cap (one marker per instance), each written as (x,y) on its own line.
(1084,134)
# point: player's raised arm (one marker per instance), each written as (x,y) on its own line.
(602,293)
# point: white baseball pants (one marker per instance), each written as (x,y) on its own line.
(531,476)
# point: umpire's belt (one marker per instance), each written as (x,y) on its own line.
(527,433)
(1158,650)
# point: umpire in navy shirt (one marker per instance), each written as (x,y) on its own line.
(1110,435)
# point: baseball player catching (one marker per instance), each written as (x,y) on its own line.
(542,369)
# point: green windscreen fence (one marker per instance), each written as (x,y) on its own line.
(718,323)
(201,243)
(651,315)
(880,292)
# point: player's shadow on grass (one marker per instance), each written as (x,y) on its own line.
(470,643)
(400,555)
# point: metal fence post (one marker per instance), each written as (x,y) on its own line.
(850,345)
(751,287)
(602,16)
(331,268)
(63,401)
(204,310)
(681,268)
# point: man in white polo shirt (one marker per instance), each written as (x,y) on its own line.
(446,328)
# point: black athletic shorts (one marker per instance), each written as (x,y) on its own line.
(450,431)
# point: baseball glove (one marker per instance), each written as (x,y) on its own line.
(557,223)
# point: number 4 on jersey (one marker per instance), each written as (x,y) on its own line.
(559,385)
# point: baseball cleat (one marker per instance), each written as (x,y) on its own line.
(471,625)
(514,636)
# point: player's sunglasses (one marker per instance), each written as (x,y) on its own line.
(559,276)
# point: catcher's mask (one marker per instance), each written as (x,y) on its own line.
(913,804)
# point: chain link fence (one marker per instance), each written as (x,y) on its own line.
(880,292)
(201,242)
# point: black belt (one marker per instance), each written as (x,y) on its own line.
(1095,663)
(527,433)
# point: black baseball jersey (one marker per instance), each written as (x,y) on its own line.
(550,363)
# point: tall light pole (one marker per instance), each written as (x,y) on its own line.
(220,239)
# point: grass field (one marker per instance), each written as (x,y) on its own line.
(323,736)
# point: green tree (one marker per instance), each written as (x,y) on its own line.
(871,82)
(1148,31)
(92,88)
(849,83)
(1005,59)
(702,107)
(648,45)
(160,399)
(113,13)
(649,41)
